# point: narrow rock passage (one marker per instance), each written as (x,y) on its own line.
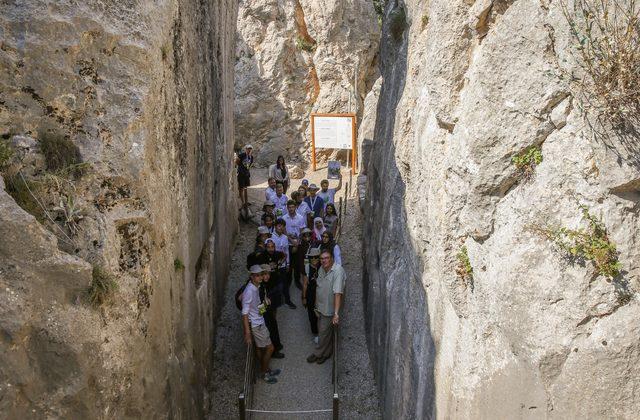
(301,386)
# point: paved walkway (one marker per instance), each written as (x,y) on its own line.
(301,385)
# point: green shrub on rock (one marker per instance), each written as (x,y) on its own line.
(591,244)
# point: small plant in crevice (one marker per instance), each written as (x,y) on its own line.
(527,161)
(102,287)
(70,213)
(178,265)
(6,153)
(590,244)
(425,21)
(397,23)
(464,270)
(305,45)
(378,6)
(59,152)
(606,36)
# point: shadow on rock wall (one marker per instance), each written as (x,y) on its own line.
(397,316)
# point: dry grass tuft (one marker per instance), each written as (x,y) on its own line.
(607,41)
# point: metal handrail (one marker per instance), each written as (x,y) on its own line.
(334,375)
(245,397)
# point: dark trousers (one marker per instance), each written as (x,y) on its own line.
(286,282)
(313,319)
(272,325)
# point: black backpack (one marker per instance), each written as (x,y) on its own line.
(239,295)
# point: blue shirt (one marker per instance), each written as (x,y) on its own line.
(316,205)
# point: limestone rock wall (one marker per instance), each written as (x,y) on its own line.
(466,86)
(294,57)
(144,90)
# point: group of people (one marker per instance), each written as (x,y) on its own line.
(295,243)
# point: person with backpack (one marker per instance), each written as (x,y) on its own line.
(255,329)
(270,319)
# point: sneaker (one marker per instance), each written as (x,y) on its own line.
(291,305)
(312,358)
(269,379)
(316,340)
(274,372)
(277,355)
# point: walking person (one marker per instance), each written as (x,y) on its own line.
(280,201)
(301,256)
(269,291)
(318,230)
(268,209)
(329,194)
(327,242)
(315,203)
(309,285)
(255,330)
(294,225)
(330,218)
(244,162)
(270,191)
(281,241)
(329,291)
(280,172)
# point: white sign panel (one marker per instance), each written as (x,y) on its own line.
(333,132)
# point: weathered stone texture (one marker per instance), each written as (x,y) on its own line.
(295,57)
(144,89)
(466,86)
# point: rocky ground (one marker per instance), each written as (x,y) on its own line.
(358,395)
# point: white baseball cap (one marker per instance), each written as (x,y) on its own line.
(256,269)
(248,146)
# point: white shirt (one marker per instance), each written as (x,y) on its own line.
(250,302)
(282,244)
(328,196)
(269,193)
(280,202)
(294,224)
(303,209)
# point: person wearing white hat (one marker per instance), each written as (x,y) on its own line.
(255,330)
(244,162)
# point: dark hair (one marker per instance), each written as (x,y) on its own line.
(278,161)
(281,222)
(327,251)
(268,216)
(294,196)
(291,203)
(270,178)
(324,181)
(335,213)
(279,183)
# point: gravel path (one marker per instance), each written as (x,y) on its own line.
(301,385)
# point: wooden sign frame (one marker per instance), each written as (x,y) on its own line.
(354,150)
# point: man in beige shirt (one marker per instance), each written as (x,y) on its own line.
(329,291)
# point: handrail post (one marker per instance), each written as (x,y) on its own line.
(336,407)
(242,406)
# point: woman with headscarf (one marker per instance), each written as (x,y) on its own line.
(280,172)
(331,219)
(318,230)
(329,244)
